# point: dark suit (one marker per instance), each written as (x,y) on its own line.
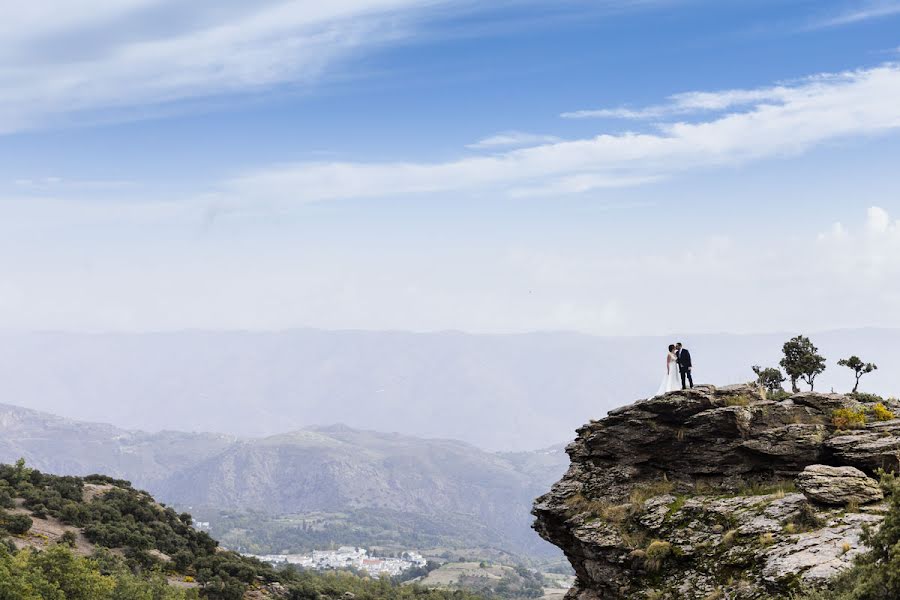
(684,366)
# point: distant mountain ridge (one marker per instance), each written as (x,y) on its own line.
(500,392)
(447,486)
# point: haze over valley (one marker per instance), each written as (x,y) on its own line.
(497,392)
(311,488)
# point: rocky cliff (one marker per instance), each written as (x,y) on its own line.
(720,493)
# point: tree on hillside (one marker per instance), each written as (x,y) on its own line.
(802,361)
(859,368)
(769,379)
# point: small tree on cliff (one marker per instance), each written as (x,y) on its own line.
(859,368)
(769,379)
(802,361)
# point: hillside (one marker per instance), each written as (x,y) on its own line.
(499,392)
(723,493)
(98,538)
(309,488)
(61,445)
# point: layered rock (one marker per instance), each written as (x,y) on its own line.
(691,495)
(838,486)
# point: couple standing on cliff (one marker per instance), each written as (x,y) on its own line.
(678,362)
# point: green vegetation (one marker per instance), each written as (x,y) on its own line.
(488,580)
(769,379)
(778,487)
(847,418)
(866,398)
(802,361)
(858,367)
(875,575)
(643,492)
(58,574)
(656,554)
(257,532)
(151,543)
(333,585)
(740,400)
(14,524)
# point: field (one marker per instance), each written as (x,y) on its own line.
(498,581)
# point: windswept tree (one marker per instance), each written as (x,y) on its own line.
(859,368)
(769,379)
(802,361)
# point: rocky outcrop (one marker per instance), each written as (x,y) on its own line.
(838,486)
(693,494)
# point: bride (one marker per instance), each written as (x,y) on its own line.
(670,381)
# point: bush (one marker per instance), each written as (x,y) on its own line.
(881,412)
(847,418)
(866,398)
(15,524)
(657,553)
(740,400)
(769,379)
(68,538)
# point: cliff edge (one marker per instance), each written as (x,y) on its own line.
(720,493)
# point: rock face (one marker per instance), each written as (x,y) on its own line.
(692,495)
(838,486)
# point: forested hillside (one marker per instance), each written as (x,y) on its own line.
(98,538)
(309,488)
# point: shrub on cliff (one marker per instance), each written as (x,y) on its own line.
(847,418)
(769,379)
(881,412)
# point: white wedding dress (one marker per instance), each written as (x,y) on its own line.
(671,381)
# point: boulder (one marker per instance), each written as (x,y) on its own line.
(838,486)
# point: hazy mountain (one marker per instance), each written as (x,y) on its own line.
(503,392)
(65,446)
(441,489)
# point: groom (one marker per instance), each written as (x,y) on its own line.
(684,365)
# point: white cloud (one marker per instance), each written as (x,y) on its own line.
(510,139)
(114,59)
(865,11)
(836,233)
(880,221)
(689,103)
(61,58)
(773,121)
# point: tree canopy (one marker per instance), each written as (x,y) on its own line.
(802,361)
(859,368)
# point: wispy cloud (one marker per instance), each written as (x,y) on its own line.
(865,11)
(688,103)
(59,59)
(100,60)
(511,139)
(767,122)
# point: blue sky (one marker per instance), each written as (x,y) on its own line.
(389,164)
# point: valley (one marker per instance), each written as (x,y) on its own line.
(313,489)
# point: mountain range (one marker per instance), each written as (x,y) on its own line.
(444,492)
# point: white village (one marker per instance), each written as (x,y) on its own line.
(348,557)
